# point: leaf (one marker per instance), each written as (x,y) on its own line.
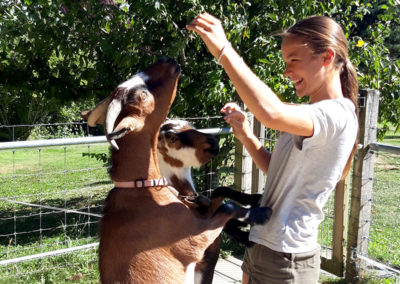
(107,27)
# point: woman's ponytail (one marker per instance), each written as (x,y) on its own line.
(349,81)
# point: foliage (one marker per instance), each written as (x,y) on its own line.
(53,52)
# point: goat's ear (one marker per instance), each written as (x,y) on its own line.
(85,114)
(98,114)
(126,125)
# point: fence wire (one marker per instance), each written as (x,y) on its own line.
(383,257)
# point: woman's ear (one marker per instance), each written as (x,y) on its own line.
(329,56)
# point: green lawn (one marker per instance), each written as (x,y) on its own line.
(57,177)
(384,242)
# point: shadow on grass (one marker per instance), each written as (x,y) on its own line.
(389,137)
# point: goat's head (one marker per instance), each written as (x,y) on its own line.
(183,146)
(142,102)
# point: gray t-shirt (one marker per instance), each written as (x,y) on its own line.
(302,174)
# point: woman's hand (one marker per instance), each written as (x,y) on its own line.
(211,32)
(237,119)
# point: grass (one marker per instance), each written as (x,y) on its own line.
(384,242)
(66,178)
(57,177)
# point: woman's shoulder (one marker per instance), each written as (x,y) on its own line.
(333,118)
(335,109)
(343,103)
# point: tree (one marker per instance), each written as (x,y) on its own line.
(52,52)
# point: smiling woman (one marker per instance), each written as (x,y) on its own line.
(310,157)
(301,66)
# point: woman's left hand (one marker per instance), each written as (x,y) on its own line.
(211,32)
(237,119)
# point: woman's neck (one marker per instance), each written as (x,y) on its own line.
(332,89)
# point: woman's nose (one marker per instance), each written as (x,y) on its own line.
(286,73)
(288,70)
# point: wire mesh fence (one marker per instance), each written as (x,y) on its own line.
(51,200)
(383,256)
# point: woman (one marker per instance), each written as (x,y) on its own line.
(315,147)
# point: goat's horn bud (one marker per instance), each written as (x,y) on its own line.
(114,109)
(114,144)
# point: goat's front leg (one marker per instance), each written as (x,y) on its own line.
(242,198)
(258,215)
(232,229)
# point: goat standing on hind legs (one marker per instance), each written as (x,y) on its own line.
(147,235)
(181,147)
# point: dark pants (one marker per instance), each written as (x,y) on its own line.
(266,266)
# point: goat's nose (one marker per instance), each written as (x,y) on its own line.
(172,62)
(214,145)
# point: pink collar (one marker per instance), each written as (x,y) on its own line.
(142,183)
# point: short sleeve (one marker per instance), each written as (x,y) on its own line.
(330,118)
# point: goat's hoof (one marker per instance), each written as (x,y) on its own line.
(203,201)
(260,215)
(227,208)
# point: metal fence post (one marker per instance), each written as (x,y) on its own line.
(360,208)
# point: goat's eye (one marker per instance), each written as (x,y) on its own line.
(143,95)
(171,137)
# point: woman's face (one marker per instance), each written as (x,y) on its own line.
(303,67)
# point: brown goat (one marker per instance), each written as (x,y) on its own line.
(147,235)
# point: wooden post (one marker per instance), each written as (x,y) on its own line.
(336,265)
(360,208)
(243,165)
(257,185)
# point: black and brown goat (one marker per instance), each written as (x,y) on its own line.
(147,234)
(181,147)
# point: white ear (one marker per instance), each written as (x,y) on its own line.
(127,124)
(98,114)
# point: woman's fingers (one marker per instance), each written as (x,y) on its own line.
(229,107)
(199,22)
(207,18)
(237,119)
(236,115)
(211,32)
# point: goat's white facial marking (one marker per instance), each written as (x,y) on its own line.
(137,80)
(177,124)
(186,155)
(190,272)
